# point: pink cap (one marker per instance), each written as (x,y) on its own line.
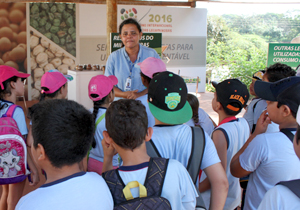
(101,86)
(7,72)
(53,81)
(151,66)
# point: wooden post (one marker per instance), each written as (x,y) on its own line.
(111,24)
(197,86)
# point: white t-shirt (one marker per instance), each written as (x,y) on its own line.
(83,190)
(280,198)
(97,152)
(151,119)
(178,186)
(204,121)
(18,116)
(271,158)
(175,142)
(236,132)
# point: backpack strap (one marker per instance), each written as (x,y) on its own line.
(115,185)
(156,176)
(293,185)
(99,120)
(151,149)
(256,104)
(11,110)
(198,144)
(288,133)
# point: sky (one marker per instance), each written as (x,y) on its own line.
(247,9)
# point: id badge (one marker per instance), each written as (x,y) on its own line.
(128,84)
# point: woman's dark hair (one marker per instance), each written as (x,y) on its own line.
(194,103)
(6,90)
(50,95)
(130,21)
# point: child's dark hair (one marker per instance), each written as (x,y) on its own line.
(130,21)
(279,71)
(7,90)
(64,128)
(50,95)
(194,103)
(148,79)
(298,134)
(127,123)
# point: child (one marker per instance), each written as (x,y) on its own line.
(149,67)
(127,131)
(102,94)
(281,197)
(230,98)
(167,96)
(270,156)
(200,117)
(53,86)
(12,86)
(257,105)
(62,135)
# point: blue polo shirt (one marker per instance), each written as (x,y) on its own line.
(119,65)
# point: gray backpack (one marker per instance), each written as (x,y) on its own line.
(194,163)
(150,194)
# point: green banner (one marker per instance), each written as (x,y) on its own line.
(288,54)
(152,40)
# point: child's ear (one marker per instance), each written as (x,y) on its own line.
(149,134)
(219,106)
(286,111)
(111,96)
(12,84)
(106,137)
(41,155)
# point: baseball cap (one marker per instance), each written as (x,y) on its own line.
(101,86)
(285,91)
(167,96)
(151,66)
(258,75)
(7,72)
(53,80)
(232,94)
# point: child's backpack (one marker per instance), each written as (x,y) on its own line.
(150,192)
(293,185)
(13,150)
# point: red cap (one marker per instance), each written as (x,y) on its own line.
(7,72)
(101,86)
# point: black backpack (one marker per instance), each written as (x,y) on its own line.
(150,193)
(194,163)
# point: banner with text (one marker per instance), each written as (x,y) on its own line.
(288,54)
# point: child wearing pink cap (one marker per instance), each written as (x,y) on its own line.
(102,94)
(149,68)
(12,86)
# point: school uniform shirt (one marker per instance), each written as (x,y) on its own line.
(18,116)
(178,187)
(204,121)
(120,65)
(236,133)
(175,142)
(97,152)
(271,158)
(83,190)
(144,100)
(280,198)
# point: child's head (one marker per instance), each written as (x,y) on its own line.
(277,72)
(63,129)
(232,95)
(54,85)
(149,67)
(9,78)
(285,94)
(256,76)
(127,123)
(194,103)
(297,136)
(167,98)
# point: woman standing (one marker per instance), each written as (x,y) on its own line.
(121,63)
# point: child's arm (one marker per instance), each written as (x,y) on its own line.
(261,127)
(219,186)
